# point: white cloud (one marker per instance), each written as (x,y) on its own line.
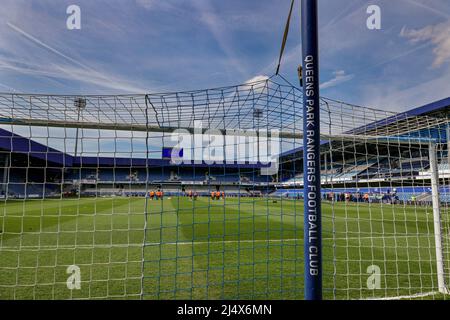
(257,83)
(70,69)
(397,97)
(257,79)
(438,35)
(154,4)
(221,33)
(147,4)
(428,8)
(339,77)
(5,86)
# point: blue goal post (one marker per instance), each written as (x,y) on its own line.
(311,145)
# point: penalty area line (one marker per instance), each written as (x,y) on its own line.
(283,240)
(216,242)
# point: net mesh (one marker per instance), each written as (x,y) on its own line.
(198,195)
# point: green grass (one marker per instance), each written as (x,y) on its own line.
(233,249)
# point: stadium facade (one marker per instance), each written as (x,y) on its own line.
(393,166)
(34,170)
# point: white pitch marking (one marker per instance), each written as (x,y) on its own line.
(413,296)
(184,243)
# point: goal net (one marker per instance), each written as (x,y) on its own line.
(199,195)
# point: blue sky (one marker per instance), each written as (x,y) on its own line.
(140,46)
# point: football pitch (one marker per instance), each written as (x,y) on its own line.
(237,248)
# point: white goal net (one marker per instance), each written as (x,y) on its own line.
(199,195)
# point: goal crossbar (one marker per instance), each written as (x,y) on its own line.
(400,140)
